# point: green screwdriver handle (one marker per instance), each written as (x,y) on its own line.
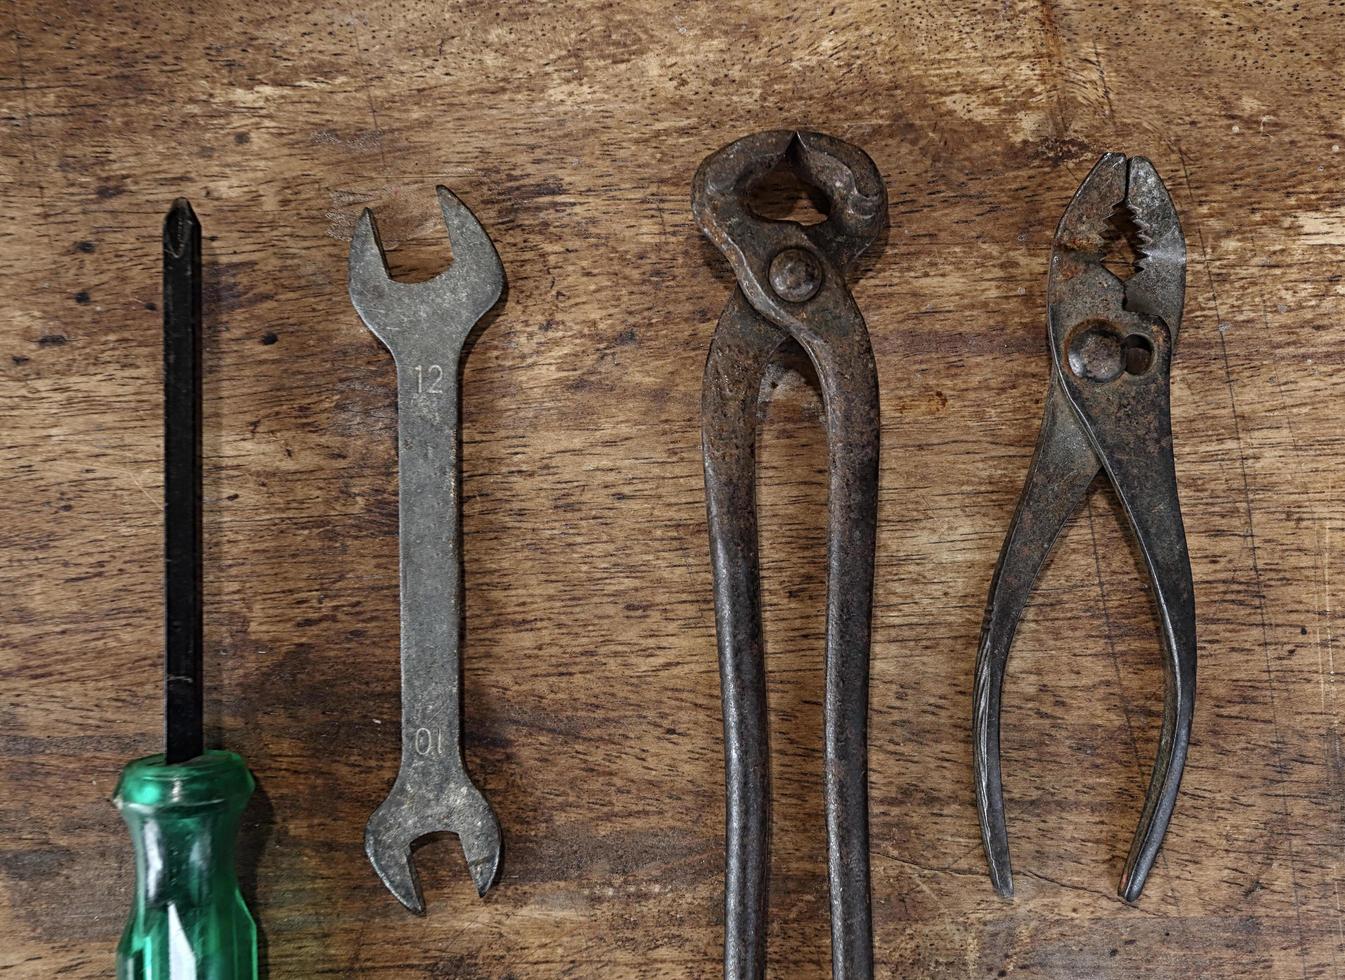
(188,921)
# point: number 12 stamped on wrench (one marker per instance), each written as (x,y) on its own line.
(424,326)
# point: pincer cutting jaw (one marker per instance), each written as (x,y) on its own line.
(856,202)
(1107,409)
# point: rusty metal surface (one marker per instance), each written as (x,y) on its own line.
(1107,410)
(792,290)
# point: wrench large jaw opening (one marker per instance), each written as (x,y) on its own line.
(399,823)
(445,307)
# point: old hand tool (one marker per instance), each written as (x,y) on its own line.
(424,326)
(791,290)
(188,919)
(1107,411)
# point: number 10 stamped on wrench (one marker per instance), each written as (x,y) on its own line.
(424,326)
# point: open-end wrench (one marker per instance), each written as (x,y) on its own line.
(424,325)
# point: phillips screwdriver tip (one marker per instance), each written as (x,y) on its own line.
(180,228)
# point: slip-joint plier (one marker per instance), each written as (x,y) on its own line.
(1107,410)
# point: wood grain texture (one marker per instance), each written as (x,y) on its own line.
(592,690)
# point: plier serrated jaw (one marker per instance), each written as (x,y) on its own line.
(1107,410)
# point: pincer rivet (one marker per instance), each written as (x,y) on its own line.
(795,275)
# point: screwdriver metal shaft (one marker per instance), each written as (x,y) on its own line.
(182,483)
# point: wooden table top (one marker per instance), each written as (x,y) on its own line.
(593,716)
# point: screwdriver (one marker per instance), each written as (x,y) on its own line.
(188,920)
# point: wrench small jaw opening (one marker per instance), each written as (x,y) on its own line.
(394,830)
